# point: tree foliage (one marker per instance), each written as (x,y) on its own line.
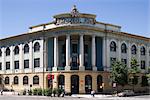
(119,73)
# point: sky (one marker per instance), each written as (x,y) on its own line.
(16,16)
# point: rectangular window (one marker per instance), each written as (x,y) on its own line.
(112,60)
(36,62)
(26,64)
(74,48)
(142,64)
(7,65)
(16,64)
(124,61)
(86,49)
(0,66)
(63,49)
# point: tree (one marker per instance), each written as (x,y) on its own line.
(148,76)
(133,71)
(119,73)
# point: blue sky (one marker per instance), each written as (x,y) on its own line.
(16,16)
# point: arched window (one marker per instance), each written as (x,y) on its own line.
(26,48)
(25,80)
(7,80)
(88,83)
(35,80)
(16,50)
(0,52)
(7,51)
(36,47)
(133,50)
(61,81)
(99,83)
(123,48)
(112,46)
(142,50)
(16,81)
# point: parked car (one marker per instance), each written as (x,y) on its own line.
(126,93)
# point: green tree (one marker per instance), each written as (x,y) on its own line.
(148,76)
(119,73)
(133,71)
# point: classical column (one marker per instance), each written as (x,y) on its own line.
(21,63)
(104,52)
(3,59)
(12,59)
(129,54)
(41,52)
(81,56)
(119,51)
(55,53)
(108,54)
(93,54)
(31,67)
(67,52)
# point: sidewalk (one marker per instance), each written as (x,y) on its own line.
(89,96)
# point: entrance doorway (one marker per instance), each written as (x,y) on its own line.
(74,84)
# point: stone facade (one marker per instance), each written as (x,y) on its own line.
(75,50)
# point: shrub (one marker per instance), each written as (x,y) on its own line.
(35,91)
(39,91)
(59,92)
(24,92)
(48,92)
(30,92)
(54,92)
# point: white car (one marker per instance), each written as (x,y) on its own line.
(126,93)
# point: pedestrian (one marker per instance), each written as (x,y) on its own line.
(93,93)
(1,92)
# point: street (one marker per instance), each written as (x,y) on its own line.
(15,97)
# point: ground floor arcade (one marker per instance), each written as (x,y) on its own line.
(72,82)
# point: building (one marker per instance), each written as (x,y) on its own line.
(73,52)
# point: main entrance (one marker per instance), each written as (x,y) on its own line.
(74,84)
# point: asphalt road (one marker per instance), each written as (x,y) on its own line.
(14,97)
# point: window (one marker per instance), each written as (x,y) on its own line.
(74,48)
(63,49)
(36,62)
(149,52)
(123,48)
(7,80)
(16,80)
(36,47)
(25,80)
(142,50)
(35,79)
(26,64)
(133,49)
(16,50)
(26,48)
(0,66)
(7,65)
(88,83)
(112,46)
(16,64)
(124,61)
(0,52)
(144,81)
(61,81)
(86,49)
(8,52)
(142,64)
(112,60)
